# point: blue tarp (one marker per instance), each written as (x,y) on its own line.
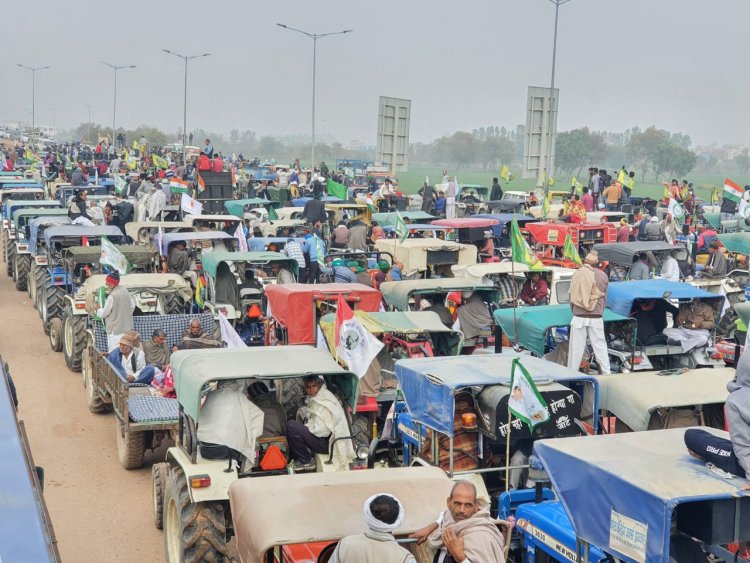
(38,223)
(503,218)
(429,384)
(616,487)
(113,233)
(258,244)
(620,296)
(301,201)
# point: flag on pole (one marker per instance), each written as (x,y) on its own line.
(120,184)
(239,234)
(676,210)
(505,173)
(337,190)
(371,204)
(111,256)
(525,402)
(201,184)
(571,252)
(234,176)
(402,231)
(732,191)
(160,162)
(545,207)
(179,186)
(520,250)
(354,344)
(158,238)
(320,249)
(228,334)
(190,206)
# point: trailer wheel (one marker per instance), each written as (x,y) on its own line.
(159,472)
(96,404)
(10,253)
(22,267)
(192,532)
(74,338)
(130,446)
(55,328)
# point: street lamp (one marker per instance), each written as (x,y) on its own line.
(33,70)
(314,37)
(114,104)
(185,58)
(548,160)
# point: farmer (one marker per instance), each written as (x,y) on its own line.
(466,531)
(117,312)
(535,290)
(383,514)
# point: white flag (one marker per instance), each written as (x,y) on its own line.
(321,343)
(239,234)
(357,347)
(229,335)
(120,184)
(525,401)
(676,210)
(111,256)
(190,206)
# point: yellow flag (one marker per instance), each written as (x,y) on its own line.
(505,173)
(136,145)
(551,181)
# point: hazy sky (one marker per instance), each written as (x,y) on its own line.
(677,64)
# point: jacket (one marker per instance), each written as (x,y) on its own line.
(697,312)
(588,292)
(613,193)
(370,547)
(117,313)
(737,408)
(77,208)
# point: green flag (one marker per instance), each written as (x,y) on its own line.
(571,252)
(272,215)
(525,401)
(545,207)
(337,190)
(111,256)
(520,251)
(402,231)
(120,184)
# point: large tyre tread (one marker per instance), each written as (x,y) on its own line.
(131,447)
(159,474)
(22,268)
(10,254)
(78,345)
(203,524)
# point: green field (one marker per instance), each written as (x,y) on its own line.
(409,182)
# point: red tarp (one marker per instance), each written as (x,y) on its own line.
(293,305)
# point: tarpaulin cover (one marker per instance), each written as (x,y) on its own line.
(259,244)
(620,490)
(113,233)
(237,206)
(466,223)
(397,294)
(534,322)
(622,253)
(212,260)
(429,384)
(293,305)
(620,295)
(502,219)
(624,397)
(40,223)
(736,242)
(13,205)
(413,252)
(389,219)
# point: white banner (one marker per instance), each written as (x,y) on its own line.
(111,256)
(191,206)
(357,347)
(239,234)
(229,335)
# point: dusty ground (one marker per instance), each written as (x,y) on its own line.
(100,512)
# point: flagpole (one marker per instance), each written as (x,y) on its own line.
(507,446)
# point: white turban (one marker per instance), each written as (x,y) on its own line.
(376,525)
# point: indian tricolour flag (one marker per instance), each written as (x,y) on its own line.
(179,186)
(732,191)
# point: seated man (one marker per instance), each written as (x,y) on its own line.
(383,515)
(228,418)
(691,325)
(670,269)
(717,262)
(446,317)
(640,269)
(283,276)
(473,318)
(156,350)
(535,290)
(320,419)
(195,337)
(466,531)
(178,262)
(274,417)
(130,362)
(731,455)
(651,319)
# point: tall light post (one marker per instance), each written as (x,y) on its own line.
(33,70)
(88,134)
(185,58)
(314,37)
(548,160)
(114,104)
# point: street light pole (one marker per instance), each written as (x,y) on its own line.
(33,70)
(114,102)
(314,37)
(185,58)
(548,159)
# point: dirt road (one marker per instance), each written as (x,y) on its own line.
(100,512)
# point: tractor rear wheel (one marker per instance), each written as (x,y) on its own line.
(131,446)
(10,254)
(74,338)
(22,267)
